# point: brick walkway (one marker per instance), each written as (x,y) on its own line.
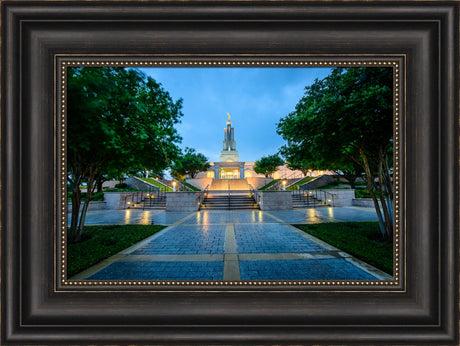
(232,245)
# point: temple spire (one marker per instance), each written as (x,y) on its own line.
(229,152)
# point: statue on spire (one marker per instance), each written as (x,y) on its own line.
(228,116)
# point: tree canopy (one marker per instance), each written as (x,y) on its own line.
(345,122)
(117,120)
(267,165)
(189,163)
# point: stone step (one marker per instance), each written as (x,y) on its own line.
(225,202)
(228,208)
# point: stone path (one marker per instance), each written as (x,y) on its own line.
(232,245)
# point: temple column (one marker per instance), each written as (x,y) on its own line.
(242,170)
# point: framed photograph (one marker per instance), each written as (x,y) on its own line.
(261,268)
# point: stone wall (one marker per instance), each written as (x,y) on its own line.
(200,183)
(138,184)
(183,201)
(364,202)
(121,200)
(322,180)
(275,200)
(95,205)
(257,182)
(336,197)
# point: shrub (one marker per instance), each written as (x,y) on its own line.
(121,185)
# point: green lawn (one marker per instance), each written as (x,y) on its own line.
(265,187)
(194,188)
(303,181)
(360,239)
(156,183)
(101,242)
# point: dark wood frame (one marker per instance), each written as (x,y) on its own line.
(423,310)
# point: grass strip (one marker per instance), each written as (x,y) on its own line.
(156,183)
(194,188)
(363,240)
(269,184)
(101,242)
(300,182)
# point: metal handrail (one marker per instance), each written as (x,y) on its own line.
(203,194)
(255,194)
(159,194)
(229,196)
(321,195)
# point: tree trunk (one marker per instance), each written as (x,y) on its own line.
(89,194)
(370,188)
(388,218)
(99,183)
(76,202)
(78,223)
(351,178)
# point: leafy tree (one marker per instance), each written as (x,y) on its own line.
(345,122)
(267,165)
(189,163)
(117,120)
(308,160)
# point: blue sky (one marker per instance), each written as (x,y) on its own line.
(256,99)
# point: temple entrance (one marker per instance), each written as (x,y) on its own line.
(229,173)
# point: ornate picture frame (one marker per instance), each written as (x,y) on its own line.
(40,308)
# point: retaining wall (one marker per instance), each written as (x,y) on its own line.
(121,200)
(96,205)
(200,183)
(341,198)
(275,200)
(364,202)
(138,184)
(258,182)
(183,201)
(322,180)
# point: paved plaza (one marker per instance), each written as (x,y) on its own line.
(232,245)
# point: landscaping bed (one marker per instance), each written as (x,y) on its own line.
(269,184)
(194,188)
(301,182)
(157,184)
(363,240)
(101,242)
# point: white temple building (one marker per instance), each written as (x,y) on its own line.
(230,167)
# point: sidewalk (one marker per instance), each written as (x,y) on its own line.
(233,245)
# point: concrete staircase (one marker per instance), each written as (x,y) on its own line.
(224,201)
(300,200)
(224,184)
(156,202)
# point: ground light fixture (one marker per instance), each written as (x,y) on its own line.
(174,186)
(284,184)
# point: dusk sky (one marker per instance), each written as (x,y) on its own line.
(256,98)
